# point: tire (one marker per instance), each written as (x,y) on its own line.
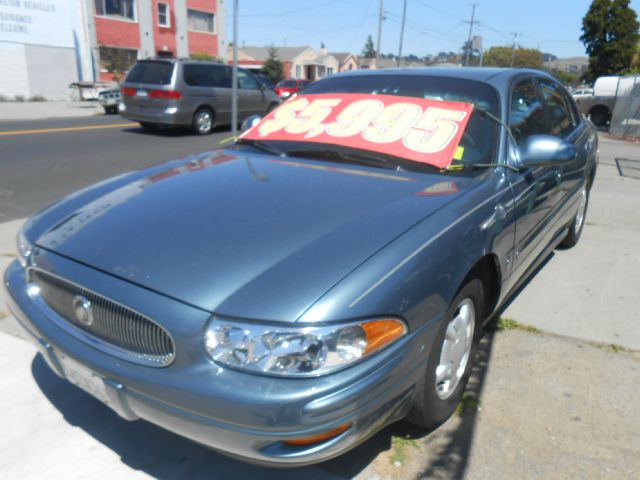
(600,116)
(148,126)
(203,121)
(577,224)
(435,401)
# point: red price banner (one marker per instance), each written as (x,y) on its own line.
(417,129)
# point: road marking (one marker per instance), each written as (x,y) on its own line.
(65,129)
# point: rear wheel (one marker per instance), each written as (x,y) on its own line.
(450,361)
(203,121)
(600,116)
(577,224)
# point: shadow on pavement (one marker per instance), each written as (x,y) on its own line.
(173,132)
(165,455)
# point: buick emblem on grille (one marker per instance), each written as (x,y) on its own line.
(82,310)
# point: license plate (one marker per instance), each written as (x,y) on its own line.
(84,378)
(142,93)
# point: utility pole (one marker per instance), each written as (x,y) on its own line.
(468,45)
(234,73)
(380,19)
(404,16)
(513,48)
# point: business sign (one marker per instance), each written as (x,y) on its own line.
(417,129)
(37,22)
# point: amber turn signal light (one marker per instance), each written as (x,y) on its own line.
(381,333)
(317,438)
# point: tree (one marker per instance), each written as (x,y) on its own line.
(272,68)
(205,56)
(369,51)
(610,36)
(522,57)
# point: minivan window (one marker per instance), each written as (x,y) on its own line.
(221,76)
(287,83)
(158,73)
(246,81)
(197,75)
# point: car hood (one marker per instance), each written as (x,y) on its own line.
(247,235)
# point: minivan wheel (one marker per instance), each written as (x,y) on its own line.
(203,121)
(450,360)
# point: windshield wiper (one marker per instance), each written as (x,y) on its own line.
(475,166)
(261,145)
(370,159)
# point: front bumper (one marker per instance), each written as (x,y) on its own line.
(240,414)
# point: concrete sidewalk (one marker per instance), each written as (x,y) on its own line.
(42,110)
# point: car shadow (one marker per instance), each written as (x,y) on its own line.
(172,132)
(165,455)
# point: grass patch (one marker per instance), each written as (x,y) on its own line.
(504,323)
(611,347)
(468,403)
(399,446)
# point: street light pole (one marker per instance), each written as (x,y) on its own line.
(234,75)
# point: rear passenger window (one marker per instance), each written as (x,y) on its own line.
(153,72)
(221,76)
(197,75)
(526,116)
(561,115)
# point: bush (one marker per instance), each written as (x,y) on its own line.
(18,98)
(37,98)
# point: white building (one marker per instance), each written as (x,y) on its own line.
(43,47)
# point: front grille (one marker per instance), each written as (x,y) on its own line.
(118,329)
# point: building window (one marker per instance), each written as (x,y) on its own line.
(123,9)
(200,21)
(298,71)
(117,61)
(164,20)
(329,71)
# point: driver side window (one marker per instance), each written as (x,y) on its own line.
(526,116)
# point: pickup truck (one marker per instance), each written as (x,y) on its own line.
(599,106)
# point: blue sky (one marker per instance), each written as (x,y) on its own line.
(432,25)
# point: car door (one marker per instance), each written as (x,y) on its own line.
(251,98)
(535,189)
(565,122)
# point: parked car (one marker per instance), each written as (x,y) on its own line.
(110,99)
(286,88)
(283,299)
(183,92)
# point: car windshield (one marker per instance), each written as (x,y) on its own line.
(157,73)
(480,135)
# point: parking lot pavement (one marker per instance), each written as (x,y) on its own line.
(538,405)
(589,292)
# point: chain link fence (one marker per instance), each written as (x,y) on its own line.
(625,118)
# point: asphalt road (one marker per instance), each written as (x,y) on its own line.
(43,160)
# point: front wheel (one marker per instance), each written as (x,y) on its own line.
(203,121)
(450,361)
(577,224)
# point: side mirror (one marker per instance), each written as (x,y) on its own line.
(545,151)
(249,123)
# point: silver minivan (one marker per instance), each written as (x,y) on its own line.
(190,92)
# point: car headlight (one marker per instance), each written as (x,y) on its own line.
(298,350)
(25,247)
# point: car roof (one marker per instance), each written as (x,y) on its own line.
(482,74)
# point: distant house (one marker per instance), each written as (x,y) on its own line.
(346,61)
(297,62)
(571,65)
